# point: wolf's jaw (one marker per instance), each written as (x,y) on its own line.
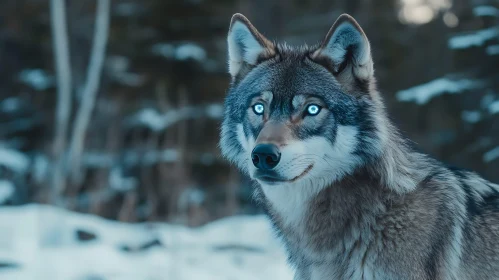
(305,172)
(277,181)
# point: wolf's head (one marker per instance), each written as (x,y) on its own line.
(308,114)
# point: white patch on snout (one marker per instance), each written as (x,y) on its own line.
(330,163)
(247,143)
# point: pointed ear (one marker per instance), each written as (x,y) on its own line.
(346,52)
(246,46)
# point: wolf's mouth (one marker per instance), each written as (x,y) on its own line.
(305,172)
(273,178)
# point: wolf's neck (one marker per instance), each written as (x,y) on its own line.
(339,210)
(396,166)
(288,204)
(394,170)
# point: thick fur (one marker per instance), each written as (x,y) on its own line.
(355,201)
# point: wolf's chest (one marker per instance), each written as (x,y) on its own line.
(345,260)
(290,203)
(355,271)
(329,253)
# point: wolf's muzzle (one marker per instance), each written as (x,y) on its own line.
(265,156)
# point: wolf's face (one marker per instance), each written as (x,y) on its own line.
(296,115)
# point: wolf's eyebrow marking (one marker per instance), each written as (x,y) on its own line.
(298,101)
(267,96)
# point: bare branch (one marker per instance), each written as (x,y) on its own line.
(63,110)
(90,90)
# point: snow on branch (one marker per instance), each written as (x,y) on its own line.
(494,107)
(486,11)
(180,52)
(36,78)
(117,68)
(475,38)
(157,122)
(121,183)
(10,105)
(491,155)
(471,116)
(423,93)
(493,50)
(6,190)
(139,158)
(14,160)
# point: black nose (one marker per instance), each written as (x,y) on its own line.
(265,156)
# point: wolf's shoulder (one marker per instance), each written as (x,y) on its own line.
(462,186)
(480,193)
(474,182)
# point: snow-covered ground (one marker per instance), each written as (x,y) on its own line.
(44,242)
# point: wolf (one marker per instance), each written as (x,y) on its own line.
(348,195)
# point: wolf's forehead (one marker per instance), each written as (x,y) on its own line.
(296,100)
(286,76)
(287,80)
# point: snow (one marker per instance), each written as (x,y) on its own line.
(10,104)
(118,67)
(41,242)
(152,157)
(491,155)
(98,159)
(133,158)
(191,196)
(190,51)
(156,121)
(164,49)
(7,189)
(476,38)
(492,50)
(471,116)
(95,159)
(180,52)
(40,168)
(121,183)
(487,99)
(13,160)
(36,78)
(494,107)
(482,11)
(423,93)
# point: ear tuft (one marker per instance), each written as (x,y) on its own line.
(246,45)
(345,46)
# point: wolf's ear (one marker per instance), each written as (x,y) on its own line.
(346,52)
(246,45)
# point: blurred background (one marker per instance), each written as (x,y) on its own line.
(112,108)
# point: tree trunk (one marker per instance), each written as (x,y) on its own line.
(90,90)
(63,109)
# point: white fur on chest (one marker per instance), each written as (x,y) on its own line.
(290,201)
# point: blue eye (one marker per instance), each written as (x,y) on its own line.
(258,108)
(313,109)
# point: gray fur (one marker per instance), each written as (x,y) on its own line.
(359,203)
